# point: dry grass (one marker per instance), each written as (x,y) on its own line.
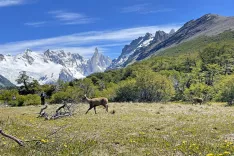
(133,129)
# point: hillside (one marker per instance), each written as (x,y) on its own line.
(208,25)
(198,44)
(5,83)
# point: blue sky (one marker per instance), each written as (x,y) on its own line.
(81,25)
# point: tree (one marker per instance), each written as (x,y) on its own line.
(30,86)
(24,79)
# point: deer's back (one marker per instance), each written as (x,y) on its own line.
(99,101)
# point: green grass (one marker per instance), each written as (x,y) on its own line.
(134,129)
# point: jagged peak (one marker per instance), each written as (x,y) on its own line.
(96,50)
(160,32)
(28,50)
(96,53)
(172,31)
(148,34)
(48,50)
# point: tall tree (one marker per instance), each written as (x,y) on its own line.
(24,79)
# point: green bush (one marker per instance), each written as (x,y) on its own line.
(60,96)
(13,103)
(199,90)
(7,95)
(32,99)
(25,100)
(109,92)
(127,92)
(154,87)
(225,90)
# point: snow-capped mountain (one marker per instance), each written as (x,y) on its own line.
(98,63)
(147,46)
(207,25)
(129,50)
(132,50)
(51,65)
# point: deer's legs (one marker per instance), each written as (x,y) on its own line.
(95,110)
(106,108)
(88,110)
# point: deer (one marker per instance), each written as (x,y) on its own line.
(197,100)
(93,103)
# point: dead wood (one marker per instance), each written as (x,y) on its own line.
(18,141)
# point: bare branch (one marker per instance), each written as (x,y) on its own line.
(19,142)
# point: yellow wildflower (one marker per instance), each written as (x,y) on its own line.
(65,145)
(226,153)
(210,154)
(44,141)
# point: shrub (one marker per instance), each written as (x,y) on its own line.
(127,92)
(154,87)
(32,99)
(225,90)
(25,100)
(6,95)
(60,96)
(199,90)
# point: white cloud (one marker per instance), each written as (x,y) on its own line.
(84,43)
(4,3)
(145,8)
(134,8)
(35,24)
(71,17)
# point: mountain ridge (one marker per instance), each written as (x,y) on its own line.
(50,66)
(206,25)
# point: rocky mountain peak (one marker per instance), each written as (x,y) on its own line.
(28,51)
(96,51)
(147,36)
(172,32)
(98,62)
(160,36)
(2,57)
(27,56)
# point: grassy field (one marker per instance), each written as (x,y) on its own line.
(134,129)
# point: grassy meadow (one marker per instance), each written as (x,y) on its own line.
(134,129)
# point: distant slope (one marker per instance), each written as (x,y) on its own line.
(207,25)
(5,82)
(133,50)
(199,44)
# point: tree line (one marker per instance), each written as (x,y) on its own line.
(207,74)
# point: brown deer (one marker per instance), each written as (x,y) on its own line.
(93,103)
(197,100)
